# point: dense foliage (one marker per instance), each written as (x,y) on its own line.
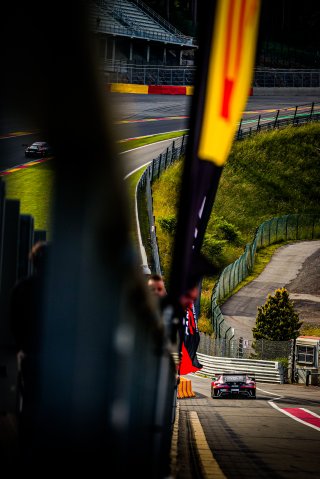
(277,319)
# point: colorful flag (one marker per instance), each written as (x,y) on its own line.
(190,341)
(223,80)
(229,76)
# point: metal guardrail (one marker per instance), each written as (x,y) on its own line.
(276,119)
(151,173)
(264,371)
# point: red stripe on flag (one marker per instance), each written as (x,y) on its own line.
(227,92)
(240,35)
(186,365)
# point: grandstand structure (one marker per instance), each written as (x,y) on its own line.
(128,32)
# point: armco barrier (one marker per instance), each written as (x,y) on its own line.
(185,388)
(264,371)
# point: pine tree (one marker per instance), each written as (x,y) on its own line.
(277,319)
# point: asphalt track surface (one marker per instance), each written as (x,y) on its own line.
(262,438)
(133,116)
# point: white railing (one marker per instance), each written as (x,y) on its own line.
(263,371)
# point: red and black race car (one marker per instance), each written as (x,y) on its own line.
(229,385)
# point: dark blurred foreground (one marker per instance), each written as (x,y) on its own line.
(103,389)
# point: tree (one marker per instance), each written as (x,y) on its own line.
(277,319)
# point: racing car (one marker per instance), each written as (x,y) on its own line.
(228,385)
(38,149)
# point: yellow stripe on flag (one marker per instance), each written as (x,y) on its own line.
(229,76)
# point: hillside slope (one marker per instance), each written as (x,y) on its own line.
(270,174)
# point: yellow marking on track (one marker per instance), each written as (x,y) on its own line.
(258,112)
(174,444)
(210,467)
(31,163)
(14,134)
(12,170)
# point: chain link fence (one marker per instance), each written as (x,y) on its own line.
(245,349)
(123,72)
(293,78)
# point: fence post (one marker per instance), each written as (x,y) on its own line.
(295,115)
(166,159)
(311,111)
(308,374)
(270,221)
(173,155)
(26,227)
(239,130)
(258,125)
(276,120)
(182,144)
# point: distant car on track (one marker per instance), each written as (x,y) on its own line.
(39,149)
(229,385)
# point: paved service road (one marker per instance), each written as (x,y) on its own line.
(240,310)
(259,438)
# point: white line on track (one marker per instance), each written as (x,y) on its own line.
(275,406)
(137,169)
(149,144)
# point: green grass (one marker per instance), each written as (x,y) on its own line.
(270,174)
(147,140)
(308,329)
(132,182)
(34,186)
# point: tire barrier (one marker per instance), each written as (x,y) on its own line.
(185,389)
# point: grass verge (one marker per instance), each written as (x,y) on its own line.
(34,185)
(270,174)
